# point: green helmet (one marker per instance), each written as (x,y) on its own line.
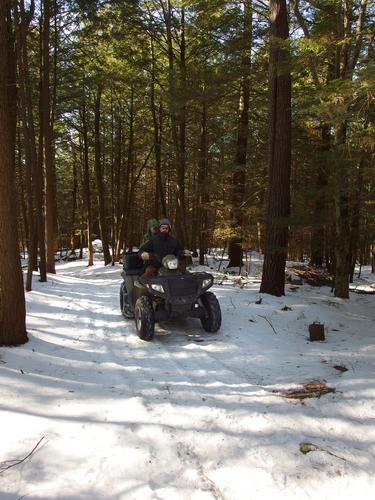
(152,223)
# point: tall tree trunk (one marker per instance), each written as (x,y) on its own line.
(39,173)
(26,114)
(47,131)
(118,184)
(12,298)
(112,172)
(276,243)
(346,60)
(22,181)
(177,111)
(320,209)
(181,166)
(74,204)
(99,179)
(202,182)
(86,186)
(356,218)
(239,174)
(125,201)
(160,205)
(320,202)
(341,199)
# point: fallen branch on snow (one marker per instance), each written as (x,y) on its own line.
(269,322)
(310,390)
(311,275)
(362,291)
(12,463)
(307,447)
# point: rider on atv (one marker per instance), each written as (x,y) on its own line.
(164,291)
(160,245)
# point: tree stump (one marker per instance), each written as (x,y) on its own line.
(316,331)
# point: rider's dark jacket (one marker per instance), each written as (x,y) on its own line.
(159,246)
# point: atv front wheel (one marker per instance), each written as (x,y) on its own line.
(144,318)
(212,320)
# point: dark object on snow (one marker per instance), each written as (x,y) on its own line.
(316,332)
(173,294)
(340,368)
(307,447)
(309,390)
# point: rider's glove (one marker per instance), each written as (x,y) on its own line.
(145,256)
(186,253)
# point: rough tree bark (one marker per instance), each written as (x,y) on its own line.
(239,174)
(26,114)
(86,185)
(12,298)
(202,182)
(318,233)
(122,238)
(48,153)
(160,205)
(100,181)
(347,54)
(279,163)
(177,112)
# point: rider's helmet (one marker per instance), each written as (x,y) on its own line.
(165,222)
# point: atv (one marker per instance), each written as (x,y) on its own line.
(174,294)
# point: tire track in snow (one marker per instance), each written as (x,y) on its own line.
(120,349)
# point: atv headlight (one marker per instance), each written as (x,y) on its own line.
(172,264)
(207,282)
(157,287)
(170,261)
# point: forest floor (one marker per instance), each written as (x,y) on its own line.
(89,411)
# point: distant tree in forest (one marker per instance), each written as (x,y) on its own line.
(238,188)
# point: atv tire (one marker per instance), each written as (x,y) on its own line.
(126,310)
(212,321)
(144,318)
(122,298)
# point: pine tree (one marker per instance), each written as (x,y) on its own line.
(273,278)
(12,298)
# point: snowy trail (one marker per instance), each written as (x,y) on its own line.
(189,415)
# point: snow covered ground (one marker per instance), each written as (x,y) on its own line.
(190,415)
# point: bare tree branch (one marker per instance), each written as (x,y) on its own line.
(12,463)
(358,34)
(302,23)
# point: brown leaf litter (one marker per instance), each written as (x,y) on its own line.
(308,390)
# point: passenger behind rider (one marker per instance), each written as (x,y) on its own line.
(160,245)
(132,275)
(152,228)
